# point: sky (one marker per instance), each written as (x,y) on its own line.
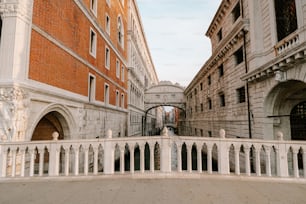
(175,32)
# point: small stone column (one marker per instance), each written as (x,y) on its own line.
(53,156)
(281,156)
(165,152)
(108,154)
(223,154)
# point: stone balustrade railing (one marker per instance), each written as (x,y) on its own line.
(287,43)
(154,155)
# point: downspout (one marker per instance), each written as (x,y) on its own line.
(246,71)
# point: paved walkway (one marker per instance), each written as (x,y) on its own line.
(204,189)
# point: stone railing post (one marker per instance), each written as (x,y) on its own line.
(3,160)
(53,158)
(281,157)
(223,154)
(165,152)
(108,154)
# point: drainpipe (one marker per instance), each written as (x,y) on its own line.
(246,71)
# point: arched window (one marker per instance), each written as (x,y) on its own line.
(298,122)
(120,32)
(286,19)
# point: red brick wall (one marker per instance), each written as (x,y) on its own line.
(65,22)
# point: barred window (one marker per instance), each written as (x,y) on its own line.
(286,19)
(239,56)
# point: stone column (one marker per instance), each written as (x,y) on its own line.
(165,152)
(223,154)
(15,39)
(109,154)
(281,157)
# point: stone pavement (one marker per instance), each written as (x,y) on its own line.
(129,189)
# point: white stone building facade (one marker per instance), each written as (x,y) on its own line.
(253,85)
(142,75)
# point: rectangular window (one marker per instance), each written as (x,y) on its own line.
(201,86)
(236,12)
(219,35)
(222,99)
(209,80)
(93,43)
(195,91)
(122,100)
(122,73)
(108,2)
(239,56)
(117,98)
(106,94)
(201,132)
(221,70)
(202,108)
(93,6)
(107,58)
(209,133)
(286,18)
(241,94)
(117,68)
(209,103)
(107,24)
(91,88)
(195,132)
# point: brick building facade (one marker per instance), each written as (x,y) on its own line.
(63,68)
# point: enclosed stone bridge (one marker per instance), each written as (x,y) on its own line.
(165,94)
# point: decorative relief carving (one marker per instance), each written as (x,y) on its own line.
(19,8)
(14,103)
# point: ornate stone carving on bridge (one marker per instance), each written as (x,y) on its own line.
(14,105)
(165,94)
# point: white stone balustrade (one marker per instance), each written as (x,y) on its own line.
(194,155)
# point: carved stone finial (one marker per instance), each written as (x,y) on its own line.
(222,133)
(280,135)
(109,133)
(55,136)
(164,131)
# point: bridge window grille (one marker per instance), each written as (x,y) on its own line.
(298,121)
(286,19)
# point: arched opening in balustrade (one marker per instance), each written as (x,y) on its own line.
(136,158)
(127,157)
(215,161)
(100,158)
(273,161)
(204,157)
(184,157)
(174,157)
(157,156)
(232,161)
(242,159)
(117,158)
(147,157)
(194,157)
(290,161)
(300,162)
(263,168)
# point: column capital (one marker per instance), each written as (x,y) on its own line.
(17,8)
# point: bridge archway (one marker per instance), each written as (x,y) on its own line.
(164,94)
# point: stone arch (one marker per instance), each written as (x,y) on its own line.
(278,105)
(54,117)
